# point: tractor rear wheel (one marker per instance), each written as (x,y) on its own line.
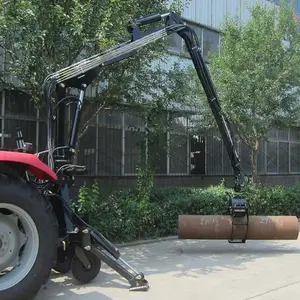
(28,237)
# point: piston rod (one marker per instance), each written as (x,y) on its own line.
(216,227)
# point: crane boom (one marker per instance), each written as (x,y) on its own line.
(81,74)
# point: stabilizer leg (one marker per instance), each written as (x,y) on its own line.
(136,280)
(95,243)
(113,259)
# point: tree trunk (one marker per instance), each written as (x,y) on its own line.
(254,161)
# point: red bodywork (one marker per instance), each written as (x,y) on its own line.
(33,163)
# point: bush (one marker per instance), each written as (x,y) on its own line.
(126,215)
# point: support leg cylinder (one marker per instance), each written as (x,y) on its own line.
(222,228)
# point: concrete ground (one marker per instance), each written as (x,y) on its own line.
(193,270)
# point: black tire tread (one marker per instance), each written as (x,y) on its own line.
(28,288)
(80,273)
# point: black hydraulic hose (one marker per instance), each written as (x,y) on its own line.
(224,126)
(75,100)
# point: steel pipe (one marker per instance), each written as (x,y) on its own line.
(223,228)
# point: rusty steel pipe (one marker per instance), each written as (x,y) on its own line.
(221,228)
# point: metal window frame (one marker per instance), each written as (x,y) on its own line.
(9,116)
(278,140)
(180,50)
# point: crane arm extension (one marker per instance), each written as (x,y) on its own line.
(85,71)
(194,49)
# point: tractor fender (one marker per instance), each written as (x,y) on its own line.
(31,161)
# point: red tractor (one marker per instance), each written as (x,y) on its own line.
(39,230)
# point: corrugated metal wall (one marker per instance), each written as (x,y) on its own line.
(213,12)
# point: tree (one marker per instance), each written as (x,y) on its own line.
(257,73)
(38,37)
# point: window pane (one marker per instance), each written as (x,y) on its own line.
(28,129)
(133,121)
(134,140)
(272,133)
(42,112)
(19,104)
(295,134)
(178,124)
(271,157)
(110,118)
(197,155)
(157,151)
(87,150)
(210,42)
(295,157)
(261,169)
(178,154)
(110,152)
(214,156)
(245,157)
(283,134)
(283,157)
(134,144)
(42,136)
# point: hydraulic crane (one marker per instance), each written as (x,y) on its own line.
(81,74)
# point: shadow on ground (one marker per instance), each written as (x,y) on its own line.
(203,257)
(65,287)
(189,258)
